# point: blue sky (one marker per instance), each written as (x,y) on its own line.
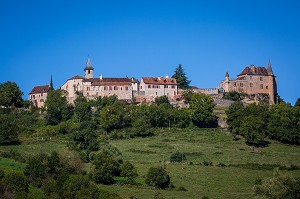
(149,38)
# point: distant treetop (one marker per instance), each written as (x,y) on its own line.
(181,78)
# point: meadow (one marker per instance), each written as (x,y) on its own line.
(216,165)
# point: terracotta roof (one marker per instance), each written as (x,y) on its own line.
(253,70)
(40,89)
(159,80)
(108,81)
(76,77)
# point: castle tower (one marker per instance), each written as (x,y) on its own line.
(227,76)
(88,70)
(272,84)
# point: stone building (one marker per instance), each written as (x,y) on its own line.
(256,81)
(92,87)
(38,94)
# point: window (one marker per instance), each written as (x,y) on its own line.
(89,71)
(41,94)
(260,78)
(115,88)
(141,87)
(149,86)
(121,88)
(110,88)
(261,86)
(250,77)
(267,87)
(41,100)
(251,84)
(126,88)
(173,86)
(234,84)
(105,88)
(166,86)
(241,84)
(87,88)
(87,94)
(96,93)
(155,93)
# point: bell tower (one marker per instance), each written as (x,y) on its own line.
(88,70)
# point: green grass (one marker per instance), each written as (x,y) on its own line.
(10,164)
(247,164)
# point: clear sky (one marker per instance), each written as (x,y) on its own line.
(149,38)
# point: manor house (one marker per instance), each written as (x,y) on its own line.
(124,88)
(257,82)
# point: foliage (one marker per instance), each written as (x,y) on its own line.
(8,129)
(18,182)
(58,109)
(297,102)
(279,186)
(234,96)
(284,123)
(106,166)
(128,170)
(250,122)
(177,157)
(162,100)
(202,107)
(158,177)
(83,108)
(187,96)
(181,78)
(10,95)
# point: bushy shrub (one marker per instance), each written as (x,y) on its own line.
(158,177)
(18,181)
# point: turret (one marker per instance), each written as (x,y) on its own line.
(227,76)
(269,69)
(88,70)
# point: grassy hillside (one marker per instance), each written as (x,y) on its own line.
(235,166)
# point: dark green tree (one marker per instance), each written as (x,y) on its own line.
(234,117)
(128,170)
(181,78)
(83,108)
(284,124)
(158,177)
(162,100)
(10,95)
(202,107)
(58,108)
(8,129)
(106,166)
(297,102)
(234,96)
(187,96)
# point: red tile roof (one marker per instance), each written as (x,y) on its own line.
(253,70)
(40,89)
(108,81)
(159,80)
(76,77)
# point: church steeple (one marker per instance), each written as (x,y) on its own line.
(227,76)
(51,84)
(88,70)
(269,69)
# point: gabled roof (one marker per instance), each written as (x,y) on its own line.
(253,70)
(40,89)
(159,80)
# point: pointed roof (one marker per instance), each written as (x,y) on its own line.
(88,65)
(51,83)
(269,69)
(227,74)
(40,89)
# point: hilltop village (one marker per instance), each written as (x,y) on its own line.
(256,82)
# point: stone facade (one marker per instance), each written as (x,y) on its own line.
(38,95)
(92,87)
(153,87)
(253,81)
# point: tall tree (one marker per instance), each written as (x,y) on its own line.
(58,108)
(297,102)
(181,78)
(10,95)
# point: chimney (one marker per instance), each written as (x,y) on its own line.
(167,76)
(100,77)
(159,78)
